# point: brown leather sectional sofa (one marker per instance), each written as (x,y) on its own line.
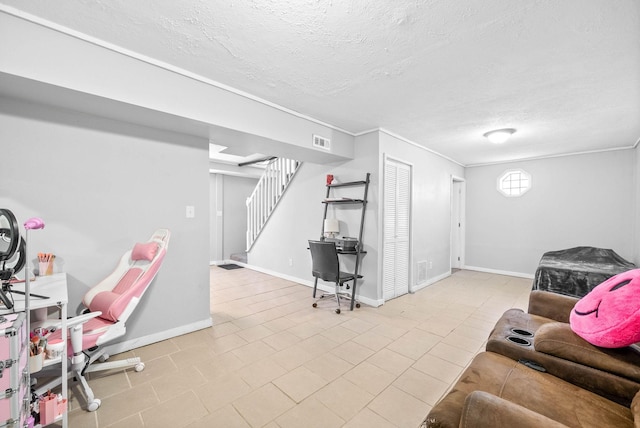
(537,373)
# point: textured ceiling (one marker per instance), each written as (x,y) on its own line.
(565,74)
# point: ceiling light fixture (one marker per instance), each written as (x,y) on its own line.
(499,136)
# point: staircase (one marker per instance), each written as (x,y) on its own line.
(270,188)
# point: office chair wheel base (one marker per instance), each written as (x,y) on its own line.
(337,311)
(357,305)
(315,305)
(139,367)
(93,405)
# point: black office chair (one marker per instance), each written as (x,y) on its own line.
(326,266)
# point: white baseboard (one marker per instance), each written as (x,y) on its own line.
(365,300)
(500,272)
(308,283)
(138,342)
(371,302)
(430,281)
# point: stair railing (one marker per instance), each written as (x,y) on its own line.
(265,197)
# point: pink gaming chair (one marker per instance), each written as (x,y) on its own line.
(109,304)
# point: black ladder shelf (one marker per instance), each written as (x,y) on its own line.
(358,251)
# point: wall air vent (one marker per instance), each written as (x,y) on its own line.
(421,273)
(321,142)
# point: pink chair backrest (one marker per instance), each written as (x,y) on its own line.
(144,261)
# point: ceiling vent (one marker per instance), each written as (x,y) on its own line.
(321,142)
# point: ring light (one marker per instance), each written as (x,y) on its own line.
(18,260)
(12,253)
(9,234)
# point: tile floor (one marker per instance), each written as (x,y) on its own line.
(271,360)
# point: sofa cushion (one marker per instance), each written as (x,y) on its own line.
(554,306)
(559,340)
(482,409)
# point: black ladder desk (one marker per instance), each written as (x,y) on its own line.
(357,251)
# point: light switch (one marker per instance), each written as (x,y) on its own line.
(191,211)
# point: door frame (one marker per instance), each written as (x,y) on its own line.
(457,183)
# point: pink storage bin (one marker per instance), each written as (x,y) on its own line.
(48,409)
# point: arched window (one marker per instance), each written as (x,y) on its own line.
(514,182)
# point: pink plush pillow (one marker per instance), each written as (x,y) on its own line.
(144,251)
(609,316)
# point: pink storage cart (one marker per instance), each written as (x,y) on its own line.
(14,357)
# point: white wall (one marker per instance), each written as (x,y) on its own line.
(581,200)
(102,186)
(636,215)
(431,203)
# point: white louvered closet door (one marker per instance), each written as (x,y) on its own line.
(397,222)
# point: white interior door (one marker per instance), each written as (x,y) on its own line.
(397,229)
(216,240)
(457,223)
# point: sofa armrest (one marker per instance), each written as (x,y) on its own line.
(635,410)
(484,410)
(551,305)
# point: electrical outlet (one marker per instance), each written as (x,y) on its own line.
(290,261)
(430,264)
(190,211)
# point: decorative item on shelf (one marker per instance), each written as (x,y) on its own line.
(36,352)
(51,406)
(329,179)
(347,243)
(45,263)
(331,227)
(54,350)
(35,362)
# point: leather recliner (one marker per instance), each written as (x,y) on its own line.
(543,339)
(497,391)
(536,372)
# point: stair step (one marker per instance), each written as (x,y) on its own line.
(239,257)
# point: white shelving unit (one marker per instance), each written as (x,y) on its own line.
(55,288)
